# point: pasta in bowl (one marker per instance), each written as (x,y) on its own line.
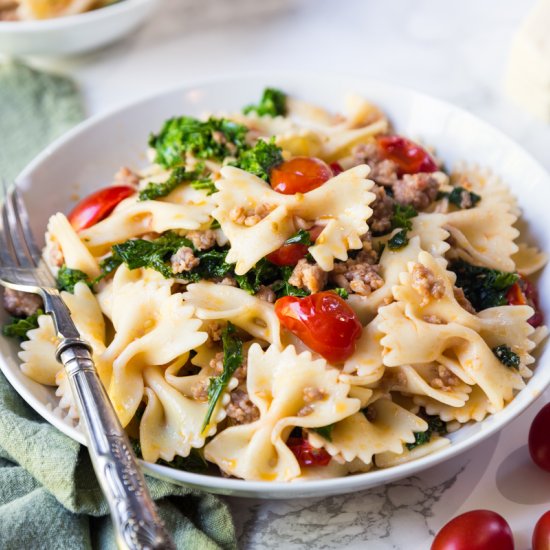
(289,294)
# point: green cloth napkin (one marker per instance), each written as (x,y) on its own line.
(49,496)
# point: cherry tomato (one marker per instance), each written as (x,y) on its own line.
(523,292)
(409,156)
(300,175)
(98,206)
(475,530)
(306,454)
(323,321)
(336,168)
(541,533)
(539,439)
(290,254)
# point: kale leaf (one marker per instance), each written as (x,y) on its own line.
(399,240)
(232,360)
(283,288)
(272,103)
(435,426)
(18,328)
(301,237)
(342,292)
(506,356)
(260,159)
(178,176)
(458,194)
(402,216)
(482,286)
(155,254)
(324,431)
(67,278)
(107,266)
(215,138)
(194,462)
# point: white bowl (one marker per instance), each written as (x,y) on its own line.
(74,33)
(87,157)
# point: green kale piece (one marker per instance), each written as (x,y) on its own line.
(402,216)
(67,278)
(301,237)
(155,254)
(342,292)
(260,159)
(506,356)
(18,328)
(215,138)
(107,266)
(435,426)
(399,240)
(324,431)
(212,265)
(272,103)
(194,462)
(482,286)
(178,176)
(262,274)
(456,196)
(283,288)
(232,360)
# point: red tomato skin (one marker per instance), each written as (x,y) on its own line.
(475,530)
(299,175)
(336,168)
(539,439)
(541,533)
(98,205)
(306,454)
(291,254)
(323,321)
(409,156)
(523,292)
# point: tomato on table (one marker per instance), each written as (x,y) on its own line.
(409,157)
(291,254)
(523,292)
(323,321)
(299,175)
(539,439)
(306,454)
(98,205)
(475,530)
(541,533)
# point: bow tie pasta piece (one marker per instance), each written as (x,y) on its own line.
(223,302)
(389,459)
(171,423)
(152,327)
(38,352)
(484,236)
(140,217)
(278,383)
(358,437)
(341,204)
(529,259)
(476,407)
(63,246)
(433,237)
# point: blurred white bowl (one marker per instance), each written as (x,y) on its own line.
(74,33)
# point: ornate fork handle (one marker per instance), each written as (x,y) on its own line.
(137,525)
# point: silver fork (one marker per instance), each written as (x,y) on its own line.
(135,518)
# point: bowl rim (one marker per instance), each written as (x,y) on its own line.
(491,425)
(59,23)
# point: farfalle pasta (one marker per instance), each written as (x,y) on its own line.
(289,293)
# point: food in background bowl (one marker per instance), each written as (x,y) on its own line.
(23,10)
(288,294)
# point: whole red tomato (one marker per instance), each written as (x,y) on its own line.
(323,321)
(299,175)
(475,530)
(306,454)
(98,206)
(539,439)
(409,157)
(541,533)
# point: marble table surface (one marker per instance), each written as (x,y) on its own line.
(453,50)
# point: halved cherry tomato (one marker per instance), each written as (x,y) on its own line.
(323,321)
(522,293)
(409,156)
(539,439)
(98,206)
(300,175)
(306,454)
(475,530)
(291,254)
(541,533)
